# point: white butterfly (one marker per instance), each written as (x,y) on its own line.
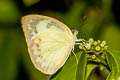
(49,42)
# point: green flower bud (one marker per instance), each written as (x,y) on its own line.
(106,47)
(93,56)
(91,40)
(87,46)
(97,48)
(103,43)
(95,43)
(98,41)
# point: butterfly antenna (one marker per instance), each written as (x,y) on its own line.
(75,56)
(81,22)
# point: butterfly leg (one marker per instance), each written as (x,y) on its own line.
(77,43)
(79,40)
(75,56)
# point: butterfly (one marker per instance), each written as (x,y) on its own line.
(49,42)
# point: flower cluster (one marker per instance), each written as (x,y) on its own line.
(94,49)
(92,45)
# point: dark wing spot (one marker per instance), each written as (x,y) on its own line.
(55,24)
(39,39)
(40,56)
(37,45)
(34,21)
(48,25)
(35,31)
(51,23)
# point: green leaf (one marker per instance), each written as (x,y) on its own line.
(117,56)
(90,68)
(68,71)
(114,64)
(80,73)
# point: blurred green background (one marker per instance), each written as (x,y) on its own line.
(102,22)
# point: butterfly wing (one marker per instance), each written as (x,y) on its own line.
(49,42)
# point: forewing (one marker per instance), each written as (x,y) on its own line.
(35,24)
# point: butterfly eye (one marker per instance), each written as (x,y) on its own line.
(76,32)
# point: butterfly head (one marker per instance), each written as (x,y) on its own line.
(75,32)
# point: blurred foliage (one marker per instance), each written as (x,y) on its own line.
(30,2)
(102,22)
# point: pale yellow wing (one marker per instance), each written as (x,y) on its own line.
(34,24)
(49,42)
